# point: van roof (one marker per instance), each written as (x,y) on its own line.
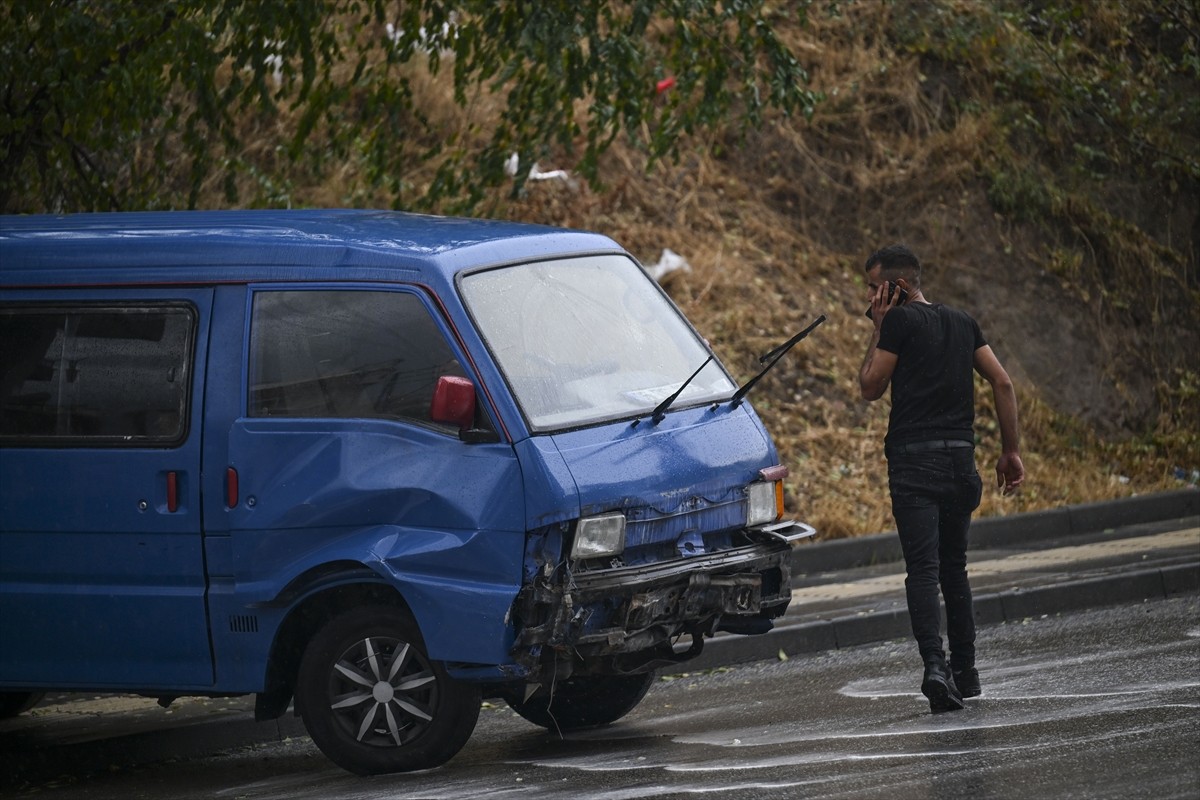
(331,244)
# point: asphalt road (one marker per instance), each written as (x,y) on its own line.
(1028,571)
(1094,704)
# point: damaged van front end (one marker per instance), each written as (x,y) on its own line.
(607,617)
(654,504)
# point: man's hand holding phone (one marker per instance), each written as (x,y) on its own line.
(887,296)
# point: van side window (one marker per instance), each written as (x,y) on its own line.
(95,375)
(346,353)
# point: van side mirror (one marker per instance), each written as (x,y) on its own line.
(453,402)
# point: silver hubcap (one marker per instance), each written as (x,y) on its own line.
(383,692)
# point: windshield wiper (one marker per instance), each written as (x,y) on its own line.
(774,356)
(660,411)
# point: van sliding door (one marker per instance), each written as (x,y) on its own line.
(101,567)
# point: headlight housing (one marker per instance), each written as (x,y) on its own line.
(601,535)
(764,502)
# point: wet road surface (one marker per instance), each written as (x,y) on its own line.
(1097,704)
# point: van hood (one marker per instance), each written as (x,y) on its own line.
(676,481)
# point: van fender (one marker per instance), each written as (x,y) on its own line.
(319,578)
(307,602)
(459,585)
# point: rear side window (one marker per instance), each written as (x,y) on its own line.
(345,353)
(95,375)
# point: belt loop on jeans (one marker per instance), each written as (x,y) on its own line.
(926,446)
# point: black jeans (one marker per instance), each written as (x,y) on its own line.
(934,490)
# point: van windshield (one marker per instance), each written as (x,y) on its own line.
(587,339)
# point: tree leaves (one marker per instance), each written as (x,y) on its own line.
(100,93)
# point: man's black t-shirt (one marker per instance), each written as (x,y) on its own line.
(933,389)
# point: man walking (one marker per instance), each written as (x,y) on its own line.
(926,351)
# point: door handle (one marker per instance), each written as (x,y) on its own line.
(231,487)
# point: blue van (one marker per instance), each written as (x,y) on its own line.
(382,465)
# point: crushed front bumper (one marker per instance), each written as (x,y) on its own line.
(626,619)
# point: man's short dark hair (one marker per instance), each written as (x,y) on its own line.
(897,261)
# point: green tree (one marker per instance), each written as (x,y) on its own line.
(122,104)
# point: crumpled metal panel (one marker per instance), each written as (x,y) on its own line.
(683,479)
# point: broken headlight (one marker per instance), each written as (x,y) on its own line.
(601,535)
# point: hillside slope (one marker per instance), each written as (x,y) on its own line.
(776,225)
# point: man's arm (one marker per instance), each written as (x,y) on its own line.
(1010,472)
(877,368)
(878,365)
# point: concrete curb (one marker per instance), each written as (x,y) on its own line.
(989,532)
(1012,605)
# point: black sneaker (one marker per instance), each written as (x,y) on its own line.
(940,689)
(967,682)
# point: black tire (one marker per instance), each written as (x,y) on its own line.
(374,702)
(13,703)
(582,702)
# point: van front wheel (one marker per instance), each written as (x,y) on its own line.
(374,702)
(582,702)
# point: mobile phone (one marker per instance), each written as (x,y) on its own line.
(891,292)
